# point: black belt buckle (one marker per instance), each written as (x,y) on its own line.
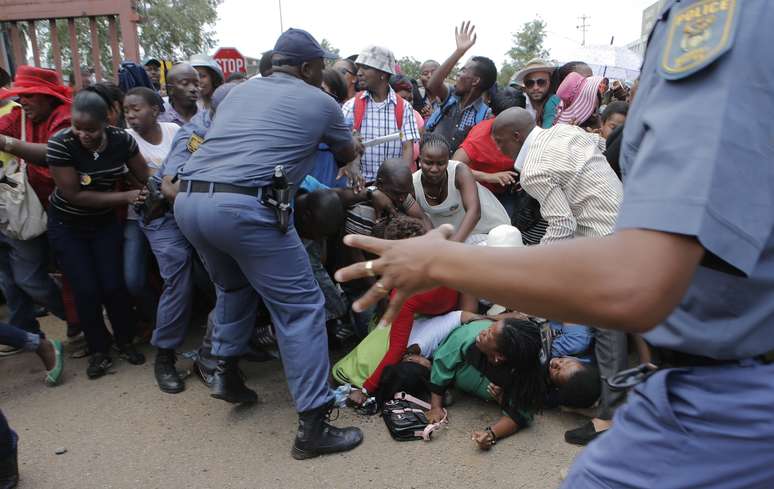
(626,379)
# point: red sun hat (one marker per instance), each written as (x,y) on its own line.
(30,80)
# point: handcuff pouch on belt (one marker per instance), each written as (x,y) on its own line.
(277,196)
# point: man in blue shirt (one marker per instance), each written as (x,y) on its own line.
(263,123)
(690,264)
(174,253)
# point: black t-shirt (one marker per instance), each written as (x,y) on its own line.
(98,172)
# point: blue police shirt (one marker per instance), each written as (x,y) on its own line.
(186,141)
(697,163)
(265,122)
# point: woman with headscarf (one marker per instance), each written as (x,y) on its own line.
(580,99)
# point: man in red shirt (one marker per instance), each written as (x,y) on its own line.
(45,110)
(490,167)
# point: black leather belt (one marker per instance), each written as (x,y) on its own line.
(198,187)
(665,358)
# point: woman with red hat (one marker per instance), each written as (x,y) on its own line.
(44,110)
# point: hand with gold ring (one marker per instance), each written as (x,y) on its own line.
(403,267)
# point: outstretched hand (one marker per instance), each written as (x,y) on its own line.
(465,35)
(402,265)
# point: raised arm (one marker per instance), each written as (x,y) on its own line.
(465,38)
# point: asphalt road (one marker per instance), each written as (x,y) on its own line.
(121,432)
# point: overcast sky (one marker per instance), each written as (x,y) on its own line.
(252,26)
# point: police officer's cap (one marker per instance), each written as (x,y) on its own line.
(296,46)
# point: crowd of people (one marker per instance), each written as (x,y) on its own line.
(240,192)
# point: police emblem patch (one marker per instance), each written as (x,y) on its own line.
(194,142)
(698,34)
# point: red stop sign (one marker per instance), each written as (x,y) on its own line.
(230,61)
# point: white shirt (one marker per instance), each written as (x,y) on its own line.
(519,164)
(155,154)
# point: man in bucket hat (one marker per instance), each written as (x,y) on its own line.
(378,111)
(535,79)
(24,131)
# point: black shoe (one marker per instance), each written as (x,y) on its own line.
(99,364)
(316,437)
(73,330)
(228,384)
(166,374)
(583,435)
(129,353)
(9,471)
(40,312)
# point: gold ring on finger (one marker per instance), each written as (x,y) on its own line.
(369,267)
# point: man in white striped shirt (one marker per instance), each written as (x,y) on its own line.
(564,169)
(381,110)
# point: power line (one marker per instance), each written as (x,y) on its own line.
(583,27)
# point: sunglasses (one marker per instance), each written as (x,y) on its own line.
(541,82)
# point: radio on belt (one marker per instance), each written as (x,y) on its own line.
(278,197)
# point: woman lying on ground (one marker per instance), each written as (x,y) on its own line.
(434,302)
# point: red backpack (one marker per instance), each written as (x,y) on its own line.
(360,109)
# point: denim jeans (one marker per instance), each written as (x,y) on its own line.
(18,338)
(90,255)
(136,255)
(24,281)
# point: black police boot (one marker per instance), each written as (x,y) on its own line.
(9,471)
(316,437)
(166,374)
(228,385)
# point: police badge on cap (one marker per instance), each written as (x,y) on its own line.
(698,34)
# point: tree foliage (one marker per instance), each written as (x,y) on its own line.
(527,44)
(410,67)
(176,29)
(326,45)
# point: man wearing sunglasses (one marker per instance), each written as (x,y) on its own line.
(535,78)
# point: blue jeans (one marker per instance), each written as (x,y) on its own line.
(18,338)
(24,281)
(136,251)
(91,257)
(8,438)
(247,255)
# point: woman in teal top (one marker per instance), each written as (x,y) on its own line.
(495,361)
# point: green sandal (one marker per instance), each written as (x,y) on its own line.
(55,374)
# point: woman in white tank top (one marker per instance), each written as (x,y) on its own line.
(449,194)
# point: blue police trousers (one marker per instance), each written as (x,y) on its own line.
(246,255)
(174,255)
(7,438)
(701,427)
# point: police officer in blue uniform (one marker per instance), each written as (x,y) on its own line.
(691,263)
(174,253)
(233,207)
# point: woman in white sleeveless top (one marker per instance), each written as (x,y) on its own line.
(449,194)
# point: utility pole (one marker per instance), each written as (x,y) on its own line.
(282,28)
(583,27)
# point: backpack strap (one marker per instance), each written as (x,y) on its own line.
(404,396)
(481,112)
(440,112)
(399,108)
(360,109)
